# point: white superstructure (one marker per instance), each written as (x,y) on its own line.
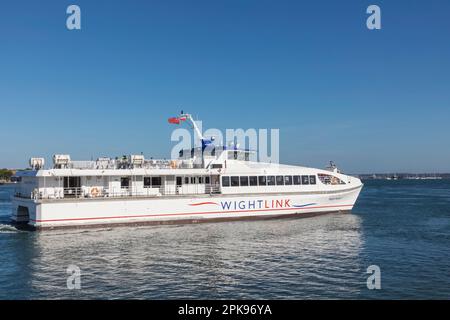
(223,185)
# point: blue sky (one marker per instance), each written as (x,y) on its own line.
(373,101)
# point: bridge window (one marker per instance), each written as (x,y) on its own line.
(271,180)
(312,179)
(288,180)
(253,181)
(225,181)
(297,180)
(305,179)
(262,180)
(329,179)
(244,181)
(235,181)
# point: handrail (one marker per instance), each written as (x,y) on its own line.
(57,193)
(114,164)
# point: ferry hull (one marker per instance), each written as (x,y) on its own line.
(48,214)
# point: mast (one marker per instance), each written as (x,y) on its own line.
(187,117)
(194,125)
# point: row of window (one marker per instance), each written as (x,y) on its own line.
(156,182)
(245,181)
(193,180)
(233,181)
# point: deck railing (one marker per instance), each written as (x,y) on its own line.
(125,192)
(147,164)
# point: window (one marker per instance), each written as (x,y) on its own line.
(244,181)
(329,179)
(72,182)
(200,180)
(124,182)
(192,180)
(297,180)
(288,180)
(262,180)
(235,181)
(156,182)
(179,181)
(207,180)
(312,179)
(271,180)
(305,179)
(253,181)
(147,182)
(186,180)
(216,166)
(152,182)
(225,181)
(280,181)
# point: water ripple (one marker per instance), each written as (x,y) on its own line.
(404,229)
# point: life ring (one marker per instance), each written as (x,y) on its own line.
(94,192)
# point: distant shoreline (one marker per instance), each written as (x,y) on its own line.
(7,175)
(404,176)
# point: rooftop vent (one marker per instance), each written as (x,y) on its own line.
(61,161)
(137,160)
(37,163)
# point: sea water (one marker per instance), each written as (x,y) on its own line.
(402,227)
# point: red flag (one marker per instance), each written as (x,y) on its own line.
(174,120)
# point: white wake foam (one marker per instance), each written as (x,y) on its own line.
(7,228)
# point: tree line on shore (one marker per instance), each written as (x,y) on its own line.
(6,174)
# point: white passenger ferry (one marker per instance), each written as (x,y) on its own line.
(198,187)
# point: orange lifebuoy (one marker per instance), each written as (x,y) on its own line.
(94,192)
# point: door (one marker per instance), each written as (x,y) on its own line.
(179,185)
(72,186)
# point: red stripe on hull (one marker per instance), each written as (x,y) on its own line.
(187,214)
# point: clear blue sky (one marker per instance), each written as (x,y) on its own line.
(371,100)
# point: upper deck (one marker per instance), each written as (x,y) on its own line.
(124,178)
(205,170)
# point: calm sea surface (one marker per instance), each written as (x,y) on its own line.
(401,226)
